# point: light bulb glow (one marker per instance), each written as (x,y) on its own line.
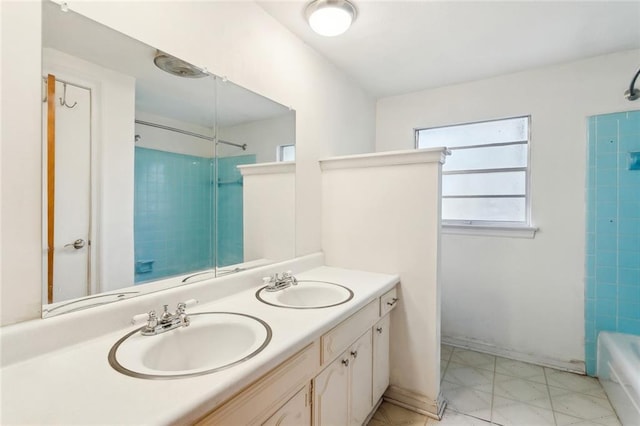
(330,21)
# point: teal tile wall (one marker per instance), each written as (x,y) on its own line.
(230,220)
(612,286)
(173,213)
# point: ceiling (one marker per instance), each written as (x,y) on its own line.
(396,47)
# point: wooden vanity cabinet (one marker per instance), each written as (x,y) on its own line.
(296,412)
(381,356)
(336,380)
(274,391)
(342,392)
(360,379)
(331,393)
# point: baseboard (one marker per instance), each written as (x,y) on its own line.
(416,402)
(572,366)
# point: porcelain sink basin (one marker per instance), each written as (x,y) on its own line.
(213,341)
(307,294)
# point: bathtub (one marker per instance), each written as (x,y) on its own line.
(619,373)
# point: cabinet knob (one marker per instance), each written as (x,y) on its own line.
(345,362)
(393,301)
(379,330)
(354,354)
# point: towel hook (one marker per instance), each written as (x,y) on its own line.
(63,102)
(44,80)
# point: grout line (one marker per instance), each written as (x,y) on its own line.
(546,382)
(447,363)
(472,416)
(493,388)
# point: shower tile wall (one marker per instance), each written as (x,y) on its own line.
(173,213)
(613,229)
(230,213)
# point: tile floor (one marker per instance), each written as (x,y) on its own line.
(484,390)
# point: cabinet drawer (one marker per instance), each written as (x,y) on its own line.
(388,301)
(296,412)
(339,338)
(261,399)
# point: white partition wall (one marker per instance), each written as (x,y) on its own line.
(381,213)
(269,210)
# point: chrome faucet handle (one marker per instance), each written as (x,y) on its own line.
(288,276)
(181,309)
(143,317)
(184,319)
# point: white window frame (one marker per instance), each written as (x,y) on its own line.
(280,151)
(523,228)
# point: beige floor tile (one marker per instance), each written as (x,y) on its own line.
(466,375)
(481,388)
(608,421)
(473,359)
(393,415)
(519,369)
(591,391)
(514,388)
(469,401)
(573,382)
(565,420)
(452,418)
(446,349)
(507,412)
(582,406)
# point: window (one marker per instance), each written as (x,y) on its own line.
(286,152)
(485,181)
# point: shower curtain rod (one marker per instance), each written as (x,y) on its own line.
(195,135)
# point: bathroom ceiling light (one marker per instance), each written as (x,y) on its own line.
(330,17)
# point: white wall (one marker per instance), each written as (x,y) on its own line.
(262,137)
(269,211)
(376,218)
(236,39)
(20,184)
(523,297)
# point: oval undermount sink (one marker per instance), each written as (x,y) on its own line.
(307,294)
(213,341)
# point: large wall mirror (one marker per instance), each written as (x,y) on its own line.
(155,173)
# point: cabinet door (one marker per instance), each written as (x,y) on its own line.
(381,357)
(296,412)
(361,355)
(331,393)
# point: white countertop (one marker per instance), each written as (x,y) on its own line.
(76,385)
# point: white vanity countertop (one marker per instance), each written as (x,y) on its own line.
(76,384)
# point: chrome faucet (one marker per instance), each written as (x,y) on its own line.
(167,320)
(277,282)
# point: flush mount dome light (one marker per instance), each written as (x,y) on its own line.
(330,17)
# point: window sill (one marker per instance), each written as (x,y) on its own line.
(490,231)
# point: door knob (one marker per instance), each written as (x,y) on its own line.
(77,244)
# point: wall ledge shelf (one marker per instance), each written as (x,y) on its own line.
(491,231)
(268,168)
(390,158)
